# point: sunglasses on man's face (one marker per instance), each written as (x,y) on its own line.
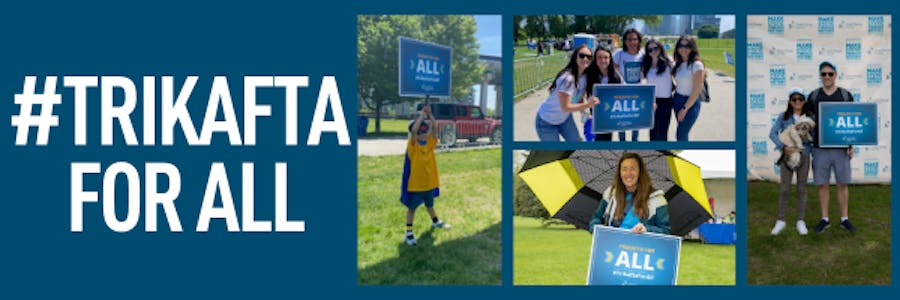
(827,74)
(583,56)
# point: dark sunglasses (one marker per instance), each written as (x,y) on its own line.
(827,74)
(683,46)
(651,49)
(797,99)
(583,56)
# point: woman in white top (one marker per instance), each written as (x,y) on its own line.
(628,60)
(657,68)
(554,117)
(602,72)
(688,75)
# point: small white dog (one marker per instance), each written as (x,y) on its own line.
(794,136)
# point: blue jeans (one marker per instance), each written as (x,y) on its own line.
(662,118)
(550,133)
(684,127)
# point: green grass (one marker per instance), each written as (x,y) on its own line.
(559,255)
(530,73)
(389,128)
(469,253)
(832,257)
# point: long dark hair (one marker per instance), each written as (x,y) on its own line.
(625,37)
(641,196)
(694,56)
(593,72)
(571,67)
(806,110)
(662,62)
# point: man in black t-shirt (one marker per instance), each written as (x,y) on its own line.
(826,159)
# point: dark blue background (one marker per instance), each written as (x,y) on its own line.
(41,258)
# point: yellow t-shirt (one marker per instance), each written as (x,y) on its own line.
(423,172)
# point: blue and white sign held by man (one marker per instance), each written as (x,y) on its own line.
(826,159)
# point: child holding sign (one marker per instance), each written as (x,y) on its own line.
(420,174)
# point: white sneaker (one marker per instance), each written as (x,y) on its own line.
(779,226)
(801,227)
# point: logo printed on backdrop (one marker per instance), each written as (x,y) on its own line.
(802,77)
(776,75)
(853,49)
(830,51)
(757,99)
(873,75)
(876,24)
(759,147)
(826,25)
(857,94)
(850,25)
(755,50)
(804,49)
(776,24)
(879,51)
(870,167)
(798,26)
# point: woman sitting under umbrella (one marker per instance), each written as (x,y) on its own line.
(632,203)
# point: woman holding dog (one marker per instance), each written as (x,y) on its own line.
(795,110)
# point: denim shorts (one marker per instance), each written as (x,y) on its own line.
(824,160)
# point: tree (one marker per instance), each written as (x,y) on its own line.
(378,51)
(518,31)
(610,24)
(536,27)
(708,32)
(557,25)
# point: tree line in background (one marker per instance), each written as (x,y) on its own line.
(377,53)
(560,26)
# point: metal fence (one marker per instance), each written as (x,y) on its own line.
(533,73)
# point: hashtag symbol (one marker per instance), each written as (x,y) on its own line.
(43,121)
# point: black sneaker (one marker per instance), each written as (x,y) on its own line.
(822,226)
(846,224)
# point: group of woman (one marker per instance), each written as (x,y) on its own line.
(678,84)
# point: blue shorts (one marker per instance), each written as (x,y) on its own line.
(417,198)
(824,160)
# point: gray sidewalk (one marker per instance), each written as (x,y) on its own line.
(716,121)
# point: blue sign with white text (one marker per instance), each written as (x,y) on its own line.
(623,107)
(424,69)
(842,124)
(619,257)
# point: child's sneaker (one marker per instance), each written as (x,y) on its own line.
(440,224)
(410,239)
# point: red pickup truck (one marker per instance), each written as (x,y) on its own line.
(460,121)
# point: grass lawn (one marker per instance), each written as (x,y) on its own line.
(469,253)
(832,257)
(559,255)
(389,128)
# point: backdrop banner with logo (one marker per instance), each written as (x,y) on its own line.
(785,51)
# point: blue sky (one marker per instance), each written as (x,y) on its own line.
(489,34)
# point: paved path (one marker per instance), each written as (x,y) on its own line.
(397,146)
(716,121)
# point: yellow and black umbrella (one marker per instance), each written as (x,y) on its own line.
(570,184)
